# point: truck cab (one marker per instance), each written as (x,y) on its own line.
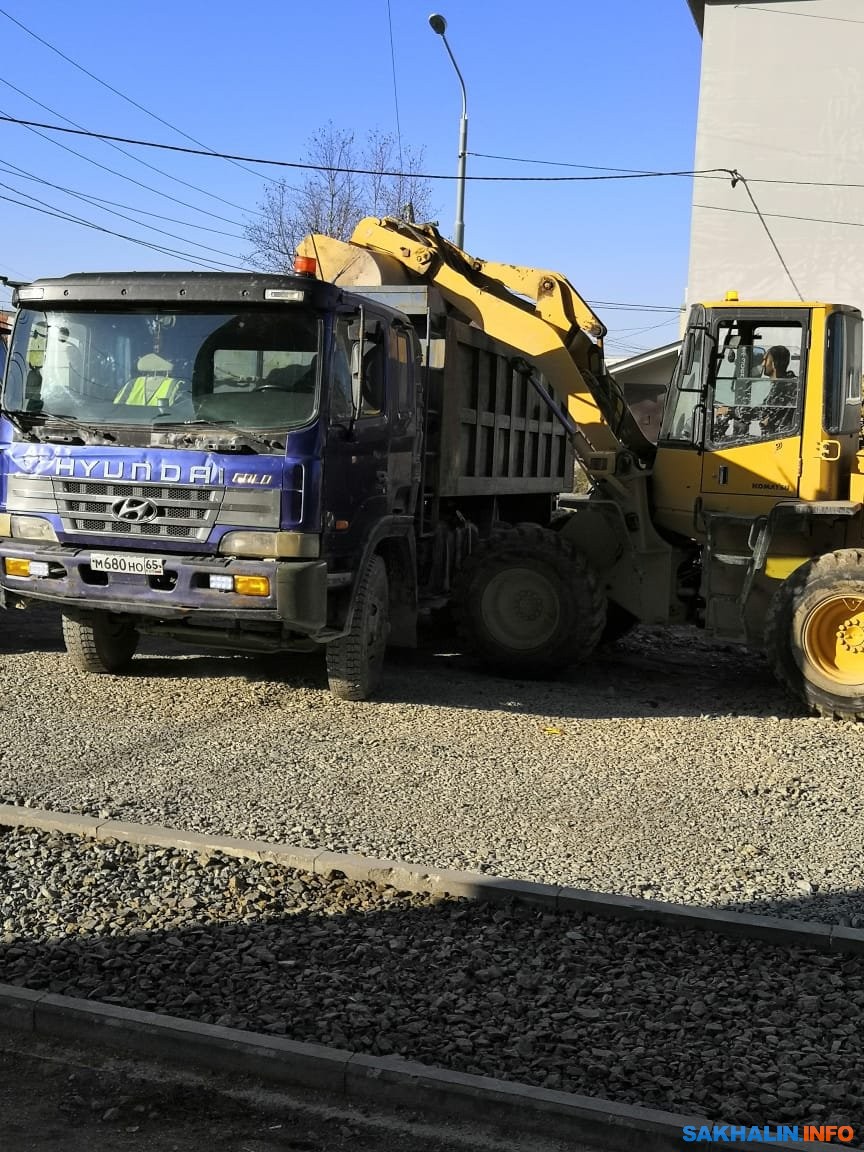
(202,451)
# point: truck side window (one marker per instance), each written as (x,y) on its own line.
(373,392)
(340,388)
(401,369)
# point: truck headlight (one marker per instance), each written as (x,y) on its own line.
(32,528)
(271,545)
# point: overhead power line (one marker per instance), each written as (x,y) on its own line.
(635,307)
(395,86)
(122,151)
(570,164)
(114,212)
(783,216)
(131,179)
(99,200)
(117,92)
(354,171)
(805,15)
(737,178)
(50,210)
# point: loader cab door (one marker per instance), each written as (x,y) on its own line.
(754,410)
(677,472)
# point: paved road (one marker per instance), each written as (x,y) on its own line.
(63,1098)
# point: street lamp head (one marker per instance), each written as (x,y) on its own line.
(438,24)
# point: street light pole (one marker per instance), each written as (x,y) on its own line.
(439,25)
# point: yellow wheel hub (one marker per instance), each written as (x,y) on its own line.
(833,638)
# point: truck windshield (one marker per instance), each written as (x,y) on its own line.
(258,369)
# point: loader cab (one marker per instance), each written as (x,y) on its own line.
(764,406)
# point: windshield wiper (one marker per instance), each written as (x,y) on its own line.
(226,426)
(15,420)
(37,421)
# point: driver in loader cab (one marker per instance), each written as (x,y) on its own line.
(776,416)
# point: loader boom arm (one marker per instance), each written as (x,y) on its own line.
(537,311)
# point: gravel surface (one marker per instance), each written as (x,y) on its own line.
(735,1030)
(667,768)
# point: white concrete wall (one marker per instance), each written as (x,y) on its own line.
(782,97)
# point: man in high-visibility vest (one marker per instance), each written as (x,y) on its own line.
(154,386)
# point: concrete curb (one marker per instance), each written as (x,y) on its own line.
(388,1081)
(407,877)
(357,1079)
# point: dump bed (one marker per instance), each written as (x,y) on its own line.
(487,431)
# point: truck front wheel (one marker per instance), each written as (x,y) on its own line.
(100,642)
(355,661)
(814,637)
(528,604)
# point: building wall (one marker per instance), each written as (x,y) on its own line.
(782,97)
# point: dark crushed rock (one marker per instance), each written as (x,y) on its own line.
(735,1030)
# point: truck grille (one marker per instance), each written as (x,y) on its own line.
(184,511)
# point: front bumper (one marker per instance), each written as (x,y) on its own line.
(297,599)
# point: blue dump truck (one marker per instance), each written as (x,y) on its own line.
(267,463)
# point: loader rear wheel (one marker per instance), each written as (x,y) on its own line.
(815,634)
(100,642)
(354,662)
(527,604)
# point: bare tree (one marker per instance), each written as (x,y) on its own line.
(349,181)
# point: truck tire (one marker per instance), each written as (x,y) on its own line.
(814,636)
(100,642)
(354,662)
(528,604)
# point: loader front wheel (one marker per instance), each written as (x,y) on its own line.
(815,634)
(355,661)
(527,604)
(100,642)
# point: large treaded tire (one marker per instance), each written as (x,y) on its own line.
(100,642)
(528,604)
(355,661)
(814,635)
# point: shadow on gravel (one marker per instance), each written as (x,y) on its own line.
(30,630)
(735,1030)
(654,672)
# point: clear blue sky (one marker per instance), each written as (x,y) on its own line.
(611,84)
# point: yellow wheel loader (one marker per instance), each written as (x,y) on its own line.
(746,519)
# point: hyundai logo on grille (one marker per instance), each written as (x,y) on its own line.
(134,510)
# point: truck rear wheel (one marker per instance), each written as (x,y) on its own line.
(354,662)
(528,604)
(815,634)
(100,642)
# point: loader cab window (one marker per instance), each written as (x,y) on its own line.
(682,416)
(756,382)
(843,368)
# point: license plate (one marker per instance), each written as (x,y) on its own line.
(126,562)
